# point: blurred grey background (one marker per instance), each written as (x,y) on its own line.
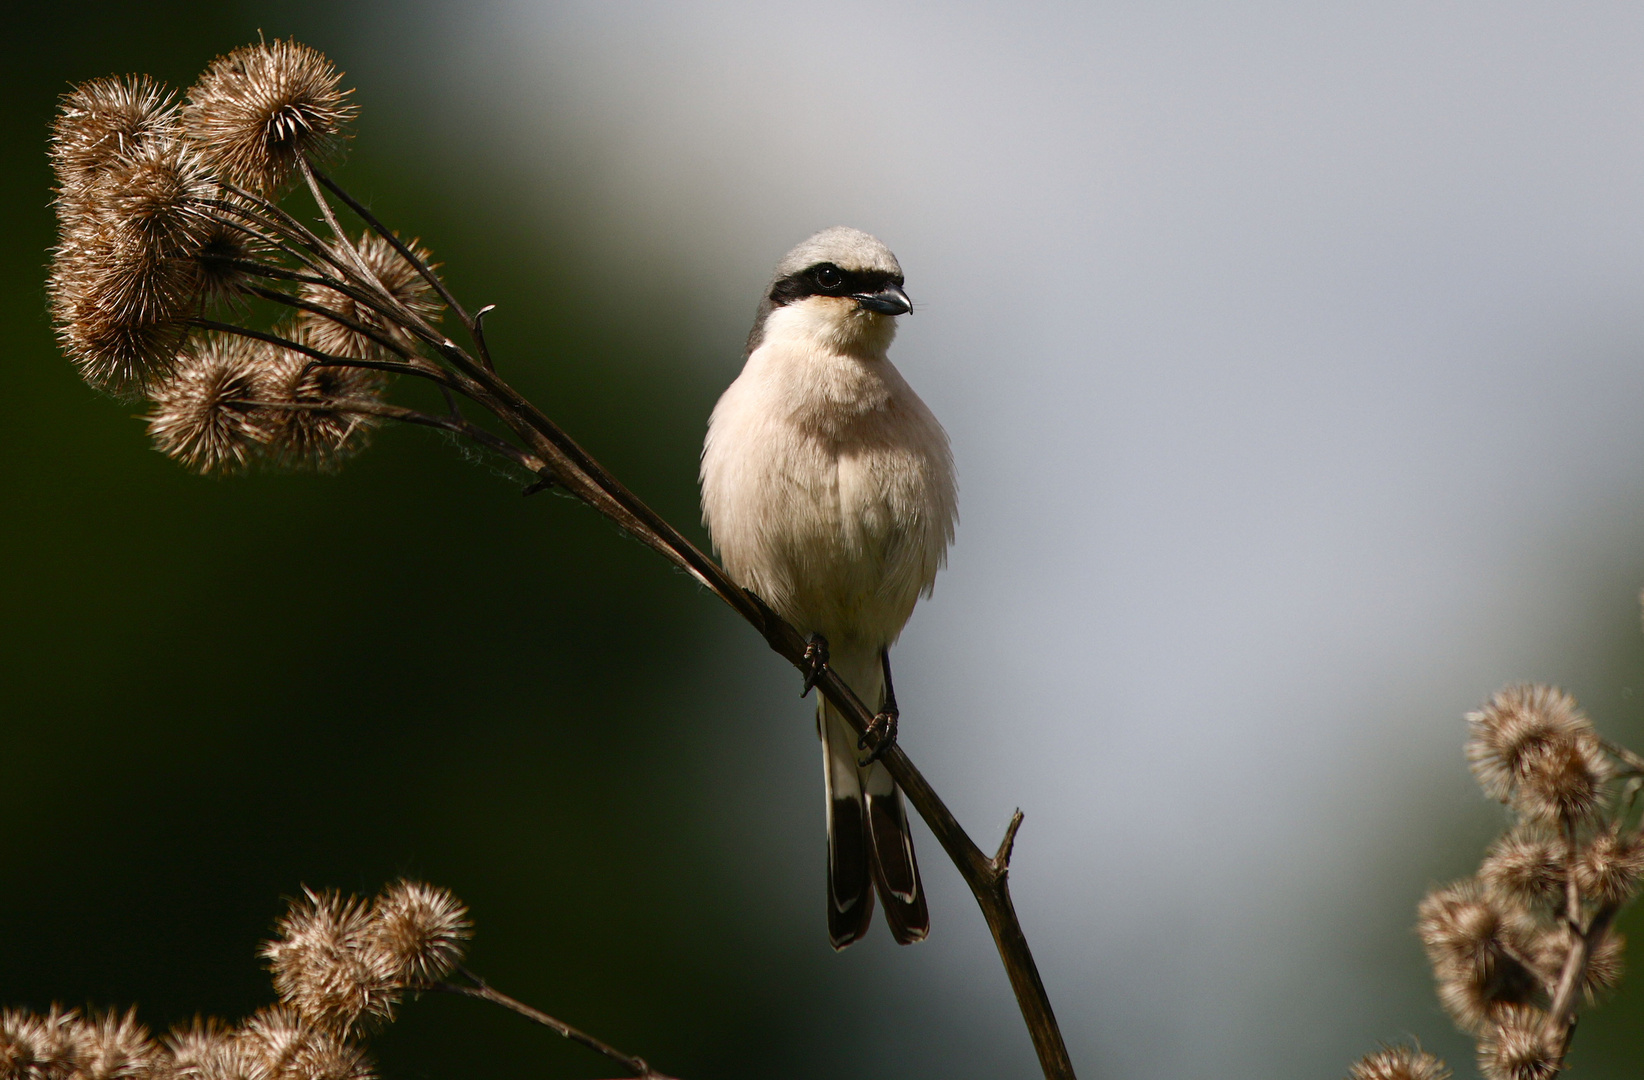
(1293,357)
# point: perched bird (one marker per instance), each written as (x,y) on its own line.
(828,488)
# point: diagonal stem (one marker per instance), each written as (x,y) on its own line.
(567,463)
(484,991)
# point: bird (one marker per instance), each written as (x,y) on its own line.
(829,491)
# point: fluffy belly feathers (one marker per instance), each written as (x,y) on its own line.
(840,531)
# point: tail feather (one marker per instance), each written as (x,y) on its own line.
(869,846)
(896,871)
(850,879)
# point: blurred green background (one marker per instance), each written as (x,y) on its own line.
(215,691)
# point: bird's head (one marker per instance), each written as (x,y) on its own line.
(841,286)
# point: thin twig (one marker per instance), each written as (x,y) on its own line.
(323,359)
(278,297)
(486,992)
(1561,1014)
(383,231)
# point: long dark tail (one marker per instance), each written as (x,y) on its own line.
(895,870)
(869,846)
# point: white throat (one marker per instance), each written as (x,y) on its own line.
(833,324)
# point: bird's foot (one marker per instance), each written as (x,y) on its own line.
(880,736)
(816,655)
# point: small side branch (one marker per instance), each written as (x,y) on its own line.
(1001,861)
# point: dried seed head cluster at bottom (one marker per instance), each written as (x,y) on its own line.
(340,966)
(1398,1063)
(64,1045)
(1515,949)
(341,963)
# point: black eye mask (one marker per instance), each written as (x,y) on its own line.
(826,279)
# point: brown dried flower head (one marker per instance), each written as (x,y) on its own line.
(1562,781)
(1517,1048)
(126,274)
(1609,867)
(210,415)
(196,1051)
(1478,946)
(223,244)
(1605,966)
(36,1047)
(420,932)
(1527,866)
(116,1047)
(1399,1063)
(311,425)
(398,278)
(285,1047)
(321,965)
(259,109)
(103,120)
(1533,747)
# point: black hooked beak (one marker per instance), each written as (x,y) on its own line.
(890,300)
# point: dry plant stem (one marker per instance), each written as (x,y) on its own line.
(321,359)
(1561,1014)
(485,992)
(579,473)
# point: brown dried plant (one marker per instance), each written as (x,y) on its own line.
(340,964)
(173,247)
(1518,947)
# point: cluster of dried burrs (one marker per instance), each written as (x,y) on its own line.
(1517,947)
(178,277)
(340,965)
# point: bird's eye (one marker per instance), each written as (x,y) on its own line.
(829,277)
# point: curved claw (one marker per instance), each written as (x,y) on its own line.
(816,655)
(880,737)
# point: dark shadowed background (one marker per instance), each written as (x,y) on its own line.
(1294,361)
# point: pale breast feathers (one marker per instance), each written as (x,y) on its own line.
(831,496)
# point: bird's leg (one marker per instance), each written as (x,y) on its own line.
(816,655)
(881,733)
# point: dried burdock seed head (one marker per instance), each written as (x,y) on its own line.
(36,1047)
(196,1051)
(312,425)
(116,1047)
(210,415)
(1562,781)
(322,967)
(420,932)
(102,120)
(1517,1048)
(1480,947)
(259,109)
(125,275)
(397,277)
(224,245)
(235,1059)
(1527,866)
(1605,966)
(158,198)
(117,355)
(1398,1063)
(285,1047)
(1533,747)
(1609,867)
